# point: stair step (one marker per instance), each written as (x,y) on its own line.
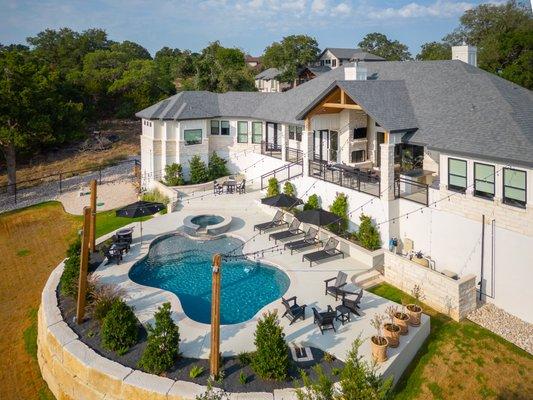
(368,279)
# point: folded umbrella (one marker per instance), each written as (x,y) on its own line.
(318,217)
(282,200)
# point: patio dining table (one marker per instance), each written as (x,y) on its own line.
(230,185)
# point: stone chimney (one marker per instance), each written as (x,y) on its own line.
(355,73)
(465,53)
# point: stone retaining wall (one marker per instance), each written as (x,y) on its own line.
(455,298)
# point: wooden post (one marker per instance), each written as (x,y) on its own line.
(215,318)
(92,237)
(84,264)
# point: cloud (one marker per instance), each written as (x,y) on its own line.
(439,9)
(318,6)
(342,9)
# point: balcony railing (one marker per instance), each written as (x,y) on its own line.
(271,149)
(294,155)
(344,176)
(411,190)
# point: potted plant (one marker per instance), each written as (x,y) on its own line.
(379,342)
(390,330)
(401,319)
(415,310)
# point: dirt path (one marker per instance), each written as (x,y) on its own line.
(32,242)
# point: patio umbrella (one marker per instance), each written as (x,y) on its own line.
(281,200)
(318,217)
(140,209)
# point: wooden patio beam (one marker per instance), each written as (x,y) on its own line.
(347,106)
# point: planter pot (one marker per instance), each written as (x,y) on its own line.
(415,311)
(392,334)
(379,348)
(401,319)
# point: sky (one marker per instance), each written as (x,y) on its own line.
(250,25)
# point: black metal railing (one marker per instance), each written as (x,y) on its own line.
(283,173)
(366,182)
(271,149)
(411,190)
(294,155)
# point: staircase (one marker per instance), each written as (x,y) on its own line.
(368,279)
(284,173)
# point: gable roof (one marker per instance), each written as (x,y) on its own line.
(268,74)
(319,70)
(351,54)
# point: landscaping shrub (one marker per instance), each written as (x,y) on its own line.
(271,359)
(101,299)
(196,371)
(212,393)
(174,175)
(198,170)
(312,203)
(163,342)
(273,187)
(71,271)
(321,388)
(155,196)
(245,358)
(119,329)
(217,167)
(368,235)
(340,207)
(289,189)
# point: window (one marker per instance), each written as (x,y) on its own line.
(192,136)
(322,62)
(299,130)
(257,132)
(514,187)
(242,132)
(295,133)
(328,62)
(215,127)
(224,128)
(484,180)
(358,156)
(292,132)
(359,133)
(456,174)
(333,63)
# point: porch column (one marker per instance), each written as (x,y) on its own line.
(390,207)
(307,149)
(284,142)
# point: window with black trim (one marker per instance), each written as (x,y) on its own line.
(299,131)
(484,180)
(257,132)
(242,132)
(333,63)
(192,136)
(514,187)
(358,156)
(215,127)
(292,132)
(359,133)
(224,128)
(457,174)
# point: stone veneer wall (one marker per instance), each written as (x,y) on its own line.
(455,298)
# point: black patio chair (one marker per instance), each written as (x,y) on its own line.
(217,188)
(329,250)
(293,231)
(325,320)
(276,222)
(241,187)
(310,239)
(113,254)
(293,311)
(335,289)
(352,304)
(121,243)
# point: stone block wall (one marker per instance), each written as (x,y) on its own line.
(455,298)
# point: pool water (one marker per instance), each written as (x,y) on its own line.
(205,220)
(183,266)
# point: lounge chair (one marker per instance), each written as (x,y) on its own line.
(294,230)
(293,311)
(113,254)
(325,320)
(329,250)
(352,304)
(310,239)
(335,289)
(276,222)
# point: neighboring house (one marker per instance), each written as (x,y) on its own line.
(253,62)
(428,149)
(267,81)
(311,72)
(335,57)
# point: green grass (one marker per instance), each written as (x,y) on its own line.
(23,252)
(107,221)
(30,334)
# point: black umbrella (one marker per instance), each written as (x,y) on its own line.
(318,217)
(281,200)
(140,209)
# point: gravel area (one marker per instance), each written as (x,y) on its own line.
(505,325)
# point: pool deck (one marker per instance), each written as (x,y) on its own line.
(306,283)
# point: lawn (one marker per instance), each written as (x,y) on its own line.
(461,360)
(33,241)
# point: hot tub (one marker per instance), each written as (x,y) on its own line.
(206,224)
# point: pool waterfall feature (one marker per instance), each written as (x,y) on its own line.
(206,224)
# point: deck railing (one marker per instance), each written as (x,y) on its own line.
(271,149)
(411,190)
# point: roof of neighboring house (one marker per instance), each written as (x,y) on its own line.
(252,59)
(316,70)
(351,54)
(453,106)
(267,74)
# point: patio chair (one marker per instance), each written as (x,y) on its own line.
(335,289)
(310,239)
(217,188)
(113,254)
(241,187)
(352,304)
(325,320)
(329,250)
(276,222)
(293,311)
(122,242)
(294,230)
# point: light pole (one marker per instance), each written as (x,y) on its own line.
(215,317)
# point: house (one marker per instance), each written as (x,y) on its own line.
(334,57)
(438,153)
(253,62)
(267,81)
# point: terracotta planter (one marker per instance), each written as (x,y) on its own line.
(392,334)
(415,311)
(379,348)
(401,319)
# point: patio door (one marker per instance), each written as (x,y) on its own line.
(272,135)
(333,146)
(320,145)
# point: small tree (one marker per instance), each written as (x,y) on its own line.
(217,167)
(368,235)
(312,203)
(119,329)
(271,359)
(273,187)
(321,388)
(289,189)
(340,207)
(163,343)
(198,170)
(174,175)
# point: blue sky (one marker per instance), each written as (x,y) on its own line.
(248,24)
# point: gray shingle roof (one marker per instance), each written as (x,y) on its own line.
(268,74)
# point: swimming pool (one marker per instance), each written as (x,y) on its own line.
(183,266)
